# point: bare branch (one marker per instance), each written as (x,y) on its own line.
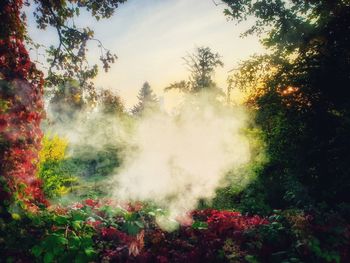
(217,4)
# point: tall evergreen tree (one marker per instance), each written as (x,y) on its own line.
(148,101)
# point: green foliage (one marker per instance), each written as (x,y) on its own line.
(88,162)
(92,230)
(244,190)
(297,91)
(327,256)
(199,225)
(110,103)
(294,239)
(56,179)
(49,237)
(93,168)
(69,59)
(96,151)
(69,241)
(132,224)
(299,152)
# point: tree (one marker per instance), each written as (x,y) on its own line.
(202,65)
(21,110)
(302,103)
(148,101)
(111,103)
(67,102)
(68,59)
(21,93)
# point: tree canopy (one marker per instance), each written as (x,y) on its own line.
(69,59)
(111,103)
(21,93)
(299,90)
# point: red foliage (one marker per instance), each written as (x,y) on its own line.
(92,203)
(224,221)
(110,233)
(130,207)
(187,244)
(94,224)
(21,110)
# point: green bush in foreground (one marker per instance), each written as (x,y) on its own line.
(56,178)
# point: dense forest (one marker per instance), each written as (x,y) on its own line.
(85,179)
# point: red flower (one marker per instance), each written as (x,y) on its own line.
(91,202)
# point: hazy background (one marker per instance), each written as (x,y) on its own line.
(151,36)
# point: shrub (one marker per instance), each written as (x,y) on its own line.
(52,171)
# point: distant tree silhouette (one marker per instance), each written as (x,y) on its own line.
(148,101)
(202,65)
(110,103)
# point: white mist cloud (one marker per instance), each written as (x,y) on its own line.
(183,158)
(173,160)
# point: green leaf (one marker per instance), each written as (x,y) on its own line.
(79,216)
(54,240)
(58,250)
(251,259)
(130,216)
(74,242)
(61,220)
(37,250)
(151,213)
(90,252)
(131,228)
(77,225)
(48,257)
(81,258)
(139,224)
(86,241)
(199,225)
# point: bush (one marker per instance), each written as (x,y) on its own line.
(108,231)
(56,178)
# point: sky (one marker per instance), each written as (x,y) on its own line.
(150,38)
